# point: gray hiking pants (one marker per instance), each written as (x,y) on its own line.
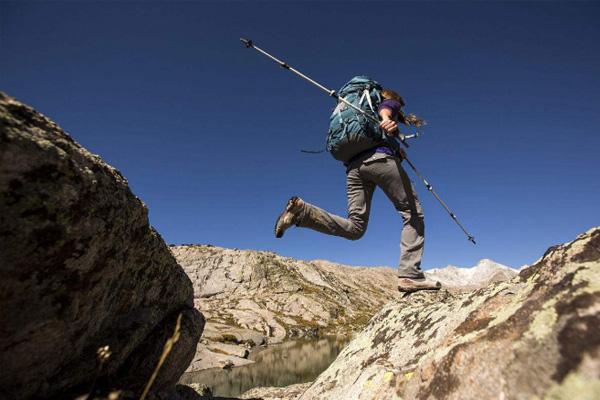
(362,177)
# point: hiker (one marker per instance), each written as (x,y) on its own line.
(378,165)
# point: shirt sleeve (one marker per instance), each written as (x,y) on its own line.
(392,105)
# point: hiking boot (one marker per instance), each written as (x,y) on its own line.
(290,216)
(408,285)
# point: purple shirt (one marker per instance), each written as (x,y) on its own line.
(393,105)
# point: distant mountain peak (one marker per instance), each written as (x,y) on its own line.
(481,274)
(487,263)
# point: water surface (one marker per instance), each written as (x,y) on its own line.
(280,365)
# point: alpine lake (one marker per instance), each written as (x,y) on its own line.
(278,365)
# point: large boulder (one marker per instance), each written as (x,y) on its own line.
(80,268)
(535,336)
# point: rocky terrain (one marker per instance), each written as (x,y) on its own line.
(81,269)
(533,337)
(277,393)
(253,297)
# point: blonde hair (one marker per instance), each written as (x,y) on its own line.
(390,94)
(410,119)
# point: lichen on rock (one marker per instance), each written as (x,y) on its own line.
(535,336)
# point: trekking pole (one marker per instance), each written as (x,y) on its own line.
(401,137)
(470,238)
(249,44)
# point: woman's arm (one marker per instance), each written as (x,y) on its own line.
(389,126)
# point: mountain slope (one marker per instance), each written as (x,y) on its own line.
(280,296)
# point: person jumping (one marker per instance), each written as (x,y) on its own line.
(372,159)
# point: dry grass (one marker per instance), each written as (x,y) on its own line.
(166,350)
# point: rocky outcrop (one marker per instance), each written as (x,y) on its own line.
(255,297)
(535,336)
(80,268)
(276,393)
(479,276)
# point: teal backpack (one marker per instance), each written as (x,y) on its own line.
(350,132)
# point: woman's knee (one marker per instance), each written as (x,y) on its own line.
(356,232)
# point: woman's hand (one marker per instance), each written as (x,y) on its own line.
(389,126)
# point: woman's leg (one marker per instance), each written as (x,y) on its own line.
(360,193)
(395,183)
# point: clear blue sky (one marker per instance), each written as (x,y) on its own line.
(208,133)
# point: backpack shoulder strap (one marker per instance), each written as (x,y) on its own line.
(368,95)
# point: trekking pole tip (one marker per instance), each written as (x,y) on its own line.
(247,42)
(471,239)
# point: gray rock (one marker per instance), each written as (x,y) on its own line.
(229,349)
(217,332)
(146,356)
(291,392)
(201,389)
(535,336)
(206,358)
(81,268)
